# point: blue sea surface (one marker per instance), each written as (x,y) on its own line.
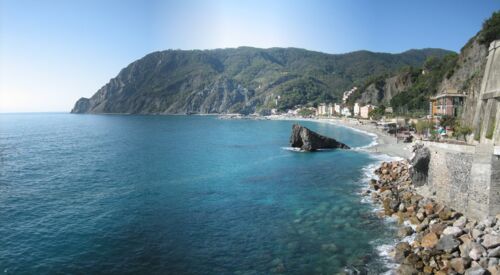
(180,195)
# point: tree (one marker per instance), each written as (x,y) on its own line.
(447,121)
(491,29)
(422,126)
(377,113)
(306,112)
(460,130)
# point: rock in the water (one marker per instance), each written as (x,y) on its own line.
(406,270)
(308,140)
(402,250)
(405,231)
(420,165)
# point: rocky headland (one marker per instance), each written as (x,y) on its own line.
(435,239)
(308,140)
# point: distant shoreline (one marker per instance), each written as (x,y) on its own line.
(383,143)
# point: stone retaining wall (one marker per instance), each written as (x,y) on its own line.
(463,178)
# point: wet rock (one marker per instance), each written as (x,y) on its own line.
(447,243)
(405,231)
(308,140)
(279,267)
(412,259)
(421,227)
(430,240)
(405,269)
(331,247)
(491,241)
(401,251)
(476,270)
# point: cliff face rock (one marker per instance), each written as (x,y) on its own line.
(240,80)
(382,91)
(467,76)
(308,140)
(420,165)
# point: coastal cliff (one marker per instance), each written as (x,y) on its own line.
(408,90)
(242,80)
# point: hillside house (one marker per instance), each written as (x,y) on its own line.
(448,103)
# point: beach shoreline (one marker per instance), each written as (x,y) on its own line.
(383,143)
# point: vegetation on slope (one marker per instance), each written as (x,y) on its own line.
(491,29)
(241,80)
(426,81)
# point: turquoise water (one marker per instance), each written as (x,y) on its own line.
(180,195)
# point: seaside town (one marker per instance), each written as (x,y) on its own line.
(444,189)
(250,137)
(444,108)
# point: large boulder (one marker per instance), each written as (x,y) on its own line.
(308,140)
(420,165)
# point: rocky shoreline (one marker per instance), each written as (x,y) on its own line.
(442,241)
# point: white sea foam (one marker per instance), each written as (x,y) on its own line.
(293,149)
(384,249)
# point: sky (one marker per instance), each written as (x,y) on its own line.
(52,52)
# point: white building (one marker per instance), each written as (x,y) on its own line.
(336,108)
(346,112)
(364,111)
(322,110)
(356,109)
(330,110)
(347,94)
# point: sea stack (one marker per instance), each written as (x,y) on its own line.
(308,140)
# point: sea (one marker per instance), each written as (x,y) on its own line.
(132,194)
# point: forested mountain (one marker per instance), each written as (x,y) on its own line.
(241,80)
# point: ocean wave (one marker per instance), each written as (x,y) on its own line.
(383,248)
(293,149)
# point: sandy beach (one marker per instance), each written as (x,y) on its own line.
(384,143)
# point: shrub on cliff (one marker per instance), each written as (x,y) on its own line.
(491,29)
(461,130)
